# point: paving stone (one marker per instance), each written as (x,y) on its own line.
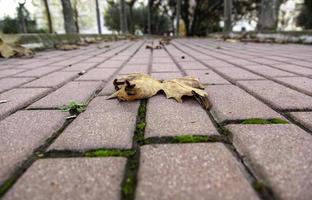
(111,64)
(23,132)
(139,60)
(281,155)
(19,98)
(73,91)
(164,67)
(52,80)
(268,71)
(192,65)
(105,123)
(80,66)
(166,117)
(158,60)
(70,178)
(232,103)
(278,95)
(299,83)
(207,76)
(217,63)
(33,64)
(10,72)
(294,68)
(8,83)
(236,73)
(191,171)
(304,118)
(167,75)
(38,71)
(134,68)
(97,74)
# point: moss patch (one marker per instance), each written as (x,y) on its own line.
(264,121)
(192,139)
(6,186)
(110,152)
(141,123)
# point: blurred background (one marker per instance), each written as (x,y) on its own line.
(157,17)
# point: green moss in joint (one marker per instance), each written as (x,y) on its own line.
(264,121)
(190,138)
(109,152)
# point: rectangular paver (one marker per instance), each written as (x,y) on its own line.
(236,73)
(166,117)
(105,123)
(52,80)
(39,71)
(8,83)
(74,91)
(278,95)
(23,132)
(97,74)
(232,103)
(19,98)
(207,77)
(281,155)
(304,118)
(71,178)
(299,83)
(268,71)
(191,171)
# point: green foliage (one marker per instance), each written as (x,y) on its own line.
(305,19)
(74,108)
(264,121)
(191,138)
(10,25)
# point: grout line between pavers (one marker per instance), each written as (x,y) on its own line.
(281,112)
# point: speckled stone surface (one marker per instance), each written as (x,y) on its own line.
(22,133)
(278,95)
(105,124)
(191,171)
(9,83)
(281,155)
(70,179)
(99,74)
(52,80)
(76,91)
(232,103)
(236,73)
(304,118)
(19,98)
(300,83)
(166,117)
(207,77)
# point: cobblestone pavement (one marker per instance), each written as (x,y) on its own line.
(255,143)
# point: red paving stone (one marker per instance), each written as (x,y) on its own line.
(244,81)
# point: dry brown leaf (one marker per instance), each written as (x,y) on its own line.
(149,46)
(7,51)
(67,47)
(141,86)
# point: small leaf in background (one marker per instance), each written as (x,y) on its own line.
(141,86)
(66,47)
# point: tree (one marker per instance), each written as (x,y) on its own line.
(305,19)
(98,20)
(69,22)
(47,10)
(131,24)
(228,4)
(269,14)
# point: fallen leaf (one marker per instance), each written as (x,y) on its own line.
(66,47)
(7,51)
(141,86)
(149,46)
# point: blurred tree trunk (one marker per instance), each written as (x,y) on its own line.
(149,8)
(185,15)
(76,15)
(131,4)
(269,14)
(228,15)
(178,17)
(22,17)
(98,18)
(69,21)
(123,17)
(46,5)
